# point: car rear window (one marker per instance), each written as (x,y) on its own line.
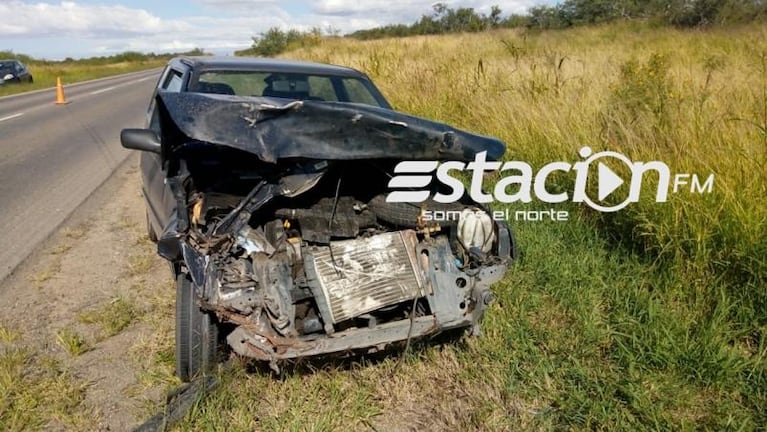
(7,67)
(286,85)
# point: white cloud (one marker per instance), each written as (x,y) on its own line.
(212,34)
(114,28)
(235,4)
(382,12)
(72,19)
(227,34)
(84,28)
(345,7)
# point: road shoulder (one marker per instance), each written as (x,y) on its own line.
(91,309)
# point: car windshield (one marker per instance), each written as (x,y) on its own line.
(288,85)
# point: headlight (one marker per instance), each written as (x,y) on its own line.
(8,77)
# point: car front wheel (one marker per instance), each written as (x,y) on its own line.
(196,334)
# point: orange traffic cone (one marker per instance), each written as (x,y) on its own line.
(60,99)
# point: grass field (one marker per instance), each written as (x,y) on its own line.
(45,73)
(654,317)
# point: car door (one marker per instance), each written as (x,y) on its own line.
(160,201)
(21,72)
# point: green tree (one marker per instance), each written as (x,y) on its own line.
(494,20)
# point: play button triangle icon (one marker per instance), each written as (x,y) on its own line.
(608,181)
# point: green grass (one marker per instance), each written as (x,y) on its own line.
(140,263)
(37,394)
(154,353)
(622,342)
(112,317)
(651,318)
(72,341)
(46,274)
(7,335)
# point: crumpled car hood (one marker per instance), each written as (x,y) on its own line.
(272,130)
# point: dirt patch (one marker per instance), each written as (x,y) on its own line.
(96,301)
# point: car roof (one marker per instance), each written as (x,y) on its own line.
(267,64)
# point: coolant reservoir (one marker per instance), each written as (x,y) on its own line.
(475,230)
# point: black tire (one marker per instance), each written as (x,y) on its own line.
(31,80)
(196,334)
(406,214)
(149,230)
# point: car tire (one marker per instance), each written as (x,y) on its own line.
(196,334)
(407,214)
(149,230)
(31,80)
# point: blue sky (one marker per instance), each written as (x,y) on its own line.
(77,28)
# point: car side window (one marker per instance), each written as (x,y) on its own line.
(358,93)
(322,89)
(173,82)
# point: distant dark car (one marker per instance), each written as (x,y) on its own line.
(266,184)
(14,71)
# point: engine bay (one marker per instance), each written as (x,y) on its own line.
(306,257)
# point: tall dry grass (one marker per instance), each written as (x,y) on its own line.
(696,100)
(652,318)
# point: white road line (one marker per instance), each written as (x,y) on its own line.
(104,90)
(12,116)
(144,79)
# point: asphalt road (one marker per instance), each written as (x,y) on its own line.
(52,157)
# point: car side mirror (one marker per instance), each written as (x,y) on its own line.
(140,139)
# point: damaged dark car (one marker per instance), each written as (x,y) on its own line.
(266,184)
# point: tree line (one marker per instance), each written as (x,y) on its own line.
(276,40)
(444,19)
(681,13)
(569,13)
(123,57)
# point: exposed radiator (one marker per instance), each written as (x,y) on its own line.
(368,274)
